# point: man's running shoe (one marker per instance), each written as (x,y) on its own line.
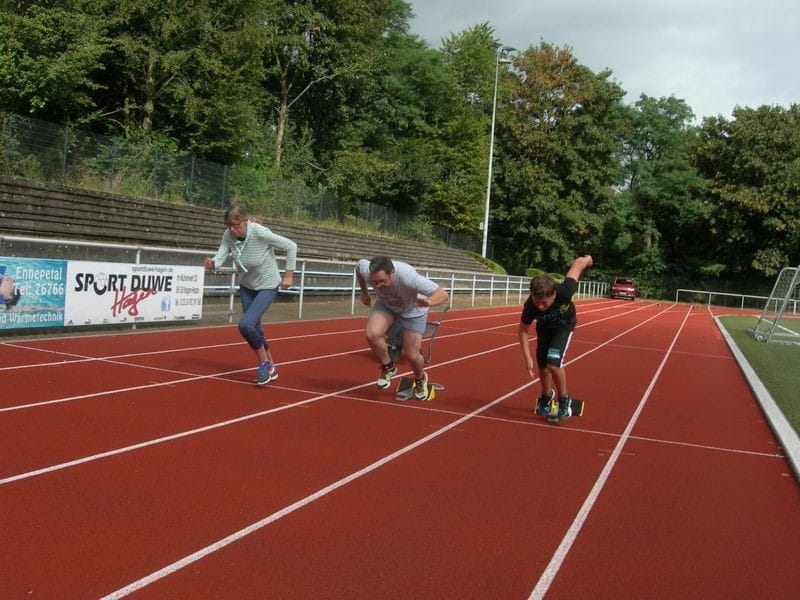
(421,387)
(267,372)
(385,378)
(563,411)
(543,405)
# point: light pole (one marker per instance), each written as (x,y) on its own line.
(500,58)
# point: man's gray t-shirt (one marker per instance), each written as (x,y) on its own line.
(401,297)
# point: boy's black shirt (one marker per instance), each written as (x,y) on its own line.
(560,314)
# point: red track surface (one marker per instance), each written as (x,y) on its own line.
(148,464)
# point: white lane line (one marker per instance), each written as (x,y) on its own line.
(222,543)
(80,358)
(238,535)
(169,438)
(571,535)
(179,435)
(192,377)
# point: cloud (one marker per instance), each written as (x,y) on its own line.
(713,54)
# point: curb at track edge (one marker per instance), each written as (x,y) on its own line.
(787,436)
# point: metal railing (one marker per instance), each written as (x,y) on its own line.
(466,289)
(316,279)
(741,301)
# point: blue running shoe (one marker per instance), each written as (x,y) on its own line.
(267,372)
(543,405)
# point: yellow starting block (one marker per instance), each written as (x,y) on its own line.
(576,406)
(405,390)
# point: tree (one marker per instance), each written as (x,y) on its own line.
(457,198)
(50,59)
(389,145)
(559,150)
(660,205)
(188,70)
(320,55)
(752,166)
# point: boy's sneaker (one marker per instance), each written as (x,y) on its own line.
(267,372)
(563,411)
(385,378)
(421,387)
(543,405)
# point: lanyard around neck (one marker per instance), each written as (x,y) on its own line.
(237,257)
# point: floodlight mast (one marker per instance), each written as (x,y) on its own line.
(501,54)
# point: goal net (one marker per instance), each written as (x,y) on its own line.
(780,320)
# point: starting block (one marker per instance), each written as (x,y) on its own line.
(394,338)
(405,390)
(394,341)
(577,407)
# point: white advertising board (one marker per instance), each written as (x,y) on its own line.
(100,293)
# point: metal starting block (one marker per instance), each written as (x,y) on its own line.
(405,390)
(394,337)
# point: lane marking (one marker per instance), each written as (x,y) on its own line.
(223,376)
(377,464)
(83,358)
(213,426)
(222,543)
(217,425)
(557,560)
(238,535)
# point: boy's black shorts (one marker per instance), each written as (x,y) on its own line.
(551,346)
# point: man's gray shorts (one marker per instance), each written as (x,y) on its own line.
(415,324)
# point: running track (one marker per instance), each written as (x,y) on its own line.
(147,465)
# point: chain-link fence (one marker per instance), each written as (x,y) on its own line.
(47,153)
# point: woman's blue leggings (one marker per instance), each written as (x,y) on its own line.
(254,304)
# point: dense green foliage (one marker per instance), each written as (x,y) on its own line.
(752,166)
(339,95)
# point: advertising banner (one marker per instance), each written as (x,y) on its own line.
(103,293)
(31,292)
(54,293)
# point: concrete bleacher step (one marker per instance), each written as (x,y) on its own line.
(52,211)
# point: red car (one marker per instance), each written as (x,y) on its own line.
(624,287)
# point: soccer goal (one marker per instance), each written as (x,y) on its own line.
(780,320)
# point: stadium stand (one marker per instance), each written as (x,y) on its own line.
(53,211)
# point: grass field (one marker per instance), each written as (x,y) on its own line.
(777,365)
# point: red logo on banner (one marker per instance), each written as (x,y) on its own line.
(129,302)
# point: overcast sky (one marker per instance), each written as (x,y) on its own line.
(714,54)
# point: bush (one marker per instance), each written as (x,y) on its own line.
(495,267)
(532,272)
